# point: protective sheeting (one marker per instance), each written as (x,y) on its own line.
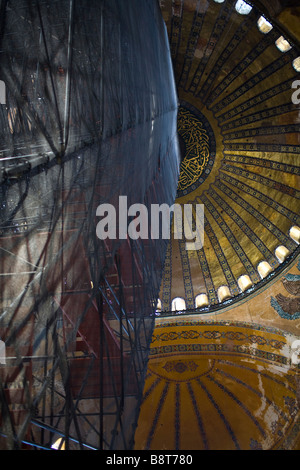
(88,114)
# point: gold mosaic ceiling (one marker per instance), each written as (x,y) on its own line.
(225,379)
(219,386)
(228,380)
(235,86)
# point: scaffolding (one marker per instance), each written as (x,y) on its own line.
(88,114)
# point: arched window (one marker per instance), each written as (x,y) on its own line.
(223,293)
(201,301)
(281,253)
(242,7)
(282,44)
(178,304)
(59,444)
(263,25)
(264,269)
(158,307)
(295,234)
(244,282)
(296,64)
(219,1)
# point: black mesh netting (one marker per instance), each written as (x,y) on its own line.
(88,114)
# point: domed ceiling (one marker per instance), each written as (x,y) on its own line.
(224,385)
(238,127)
(223,376)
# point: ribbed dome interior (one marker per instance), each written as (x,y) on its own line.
(238,83)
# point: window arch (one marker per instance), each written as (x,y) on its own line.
(178,304)
(295,234)
(282,44)
(281,253)
(264,269)
(158,307)
(296,64)
(264,25)
(244,282)
(59,444)
(223,293)
(201,300)
(242,7)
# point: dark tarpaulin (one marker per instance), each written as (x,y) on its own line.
(88,114)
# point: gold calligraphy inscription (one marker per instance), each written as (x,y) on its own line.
(196,141)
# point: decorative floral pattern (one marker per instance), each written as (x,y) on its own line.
(180,366)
